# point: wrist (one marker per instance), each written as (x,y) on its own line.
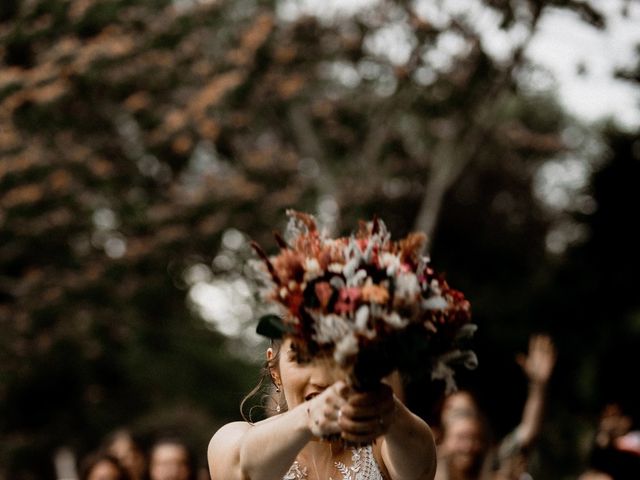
(320,418)
(302,422)
(311,425)
(539,385)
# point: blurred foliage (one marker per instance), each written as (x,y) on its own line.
(134,133)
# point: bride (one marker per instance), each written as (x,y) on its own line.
(318,420)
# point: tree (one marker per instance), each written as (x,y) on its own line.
(135,133)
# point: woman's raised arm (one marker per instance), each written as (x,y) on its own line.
(267,449)
(406,443)
(408,447)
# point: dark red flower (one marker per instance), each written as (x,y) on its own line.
(347,300)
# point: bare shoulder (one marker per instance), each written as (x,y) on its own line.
(229,430)
(223,453)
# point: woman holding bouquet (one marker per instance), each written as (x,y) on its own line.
(291,445)
(352,310)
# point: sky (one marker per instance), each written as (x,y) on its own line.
(564,41)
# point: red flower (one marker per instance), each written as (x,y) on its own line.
(294,301)
(347,300)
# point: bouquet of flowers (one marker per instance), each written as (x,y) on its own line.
(372,304)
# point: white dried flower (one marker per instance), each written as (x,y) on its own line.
(407,286)
(377,311)
(352,249)
(312,269)
(362,318)
(391,262)
(335,267)
(350,268)
(434,286)
(368,252)
(383,233)
(395,320)
(423,262)
(357,279)
(346,347)
(466,331)
(434,303)
(330,328)
(442,369)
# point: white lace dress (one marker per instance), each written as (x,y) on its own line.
(363,467)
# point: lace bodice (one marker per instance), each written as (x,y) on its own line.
(363,467)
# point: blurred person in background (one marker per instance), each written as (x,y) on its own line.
(171,459)
(616,447)
(464,451)
(125,447)
(102,466)
(457,402)
(593,474)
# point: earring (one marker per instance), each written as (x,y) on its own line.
(278,388)
(278,408)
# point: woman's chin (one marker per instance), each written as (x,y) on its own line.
(463,462)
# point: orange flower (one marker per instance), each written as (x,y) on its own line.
(375,294)
(289,266)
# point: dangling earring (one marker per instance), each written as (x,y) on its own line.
(278,407)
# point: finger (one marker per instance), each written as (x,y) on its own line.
(341,389)
(521,359)
(378,423)
(330,412)
(324,423)
(544,345)
(381,394)
(357,413)
(360,412)
(359,427)
(323,427)
(365,399)
(323,413)
(366,430)
(333,400)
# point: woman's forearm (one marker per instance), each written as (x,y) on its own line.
(532,414)
(269,448)
(408,447)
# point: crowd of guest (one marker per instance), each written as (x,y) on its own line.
(122,457)
(465,447)
(466,450)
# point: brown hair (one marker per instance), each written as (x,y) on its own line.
(269,398)
(92,460)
